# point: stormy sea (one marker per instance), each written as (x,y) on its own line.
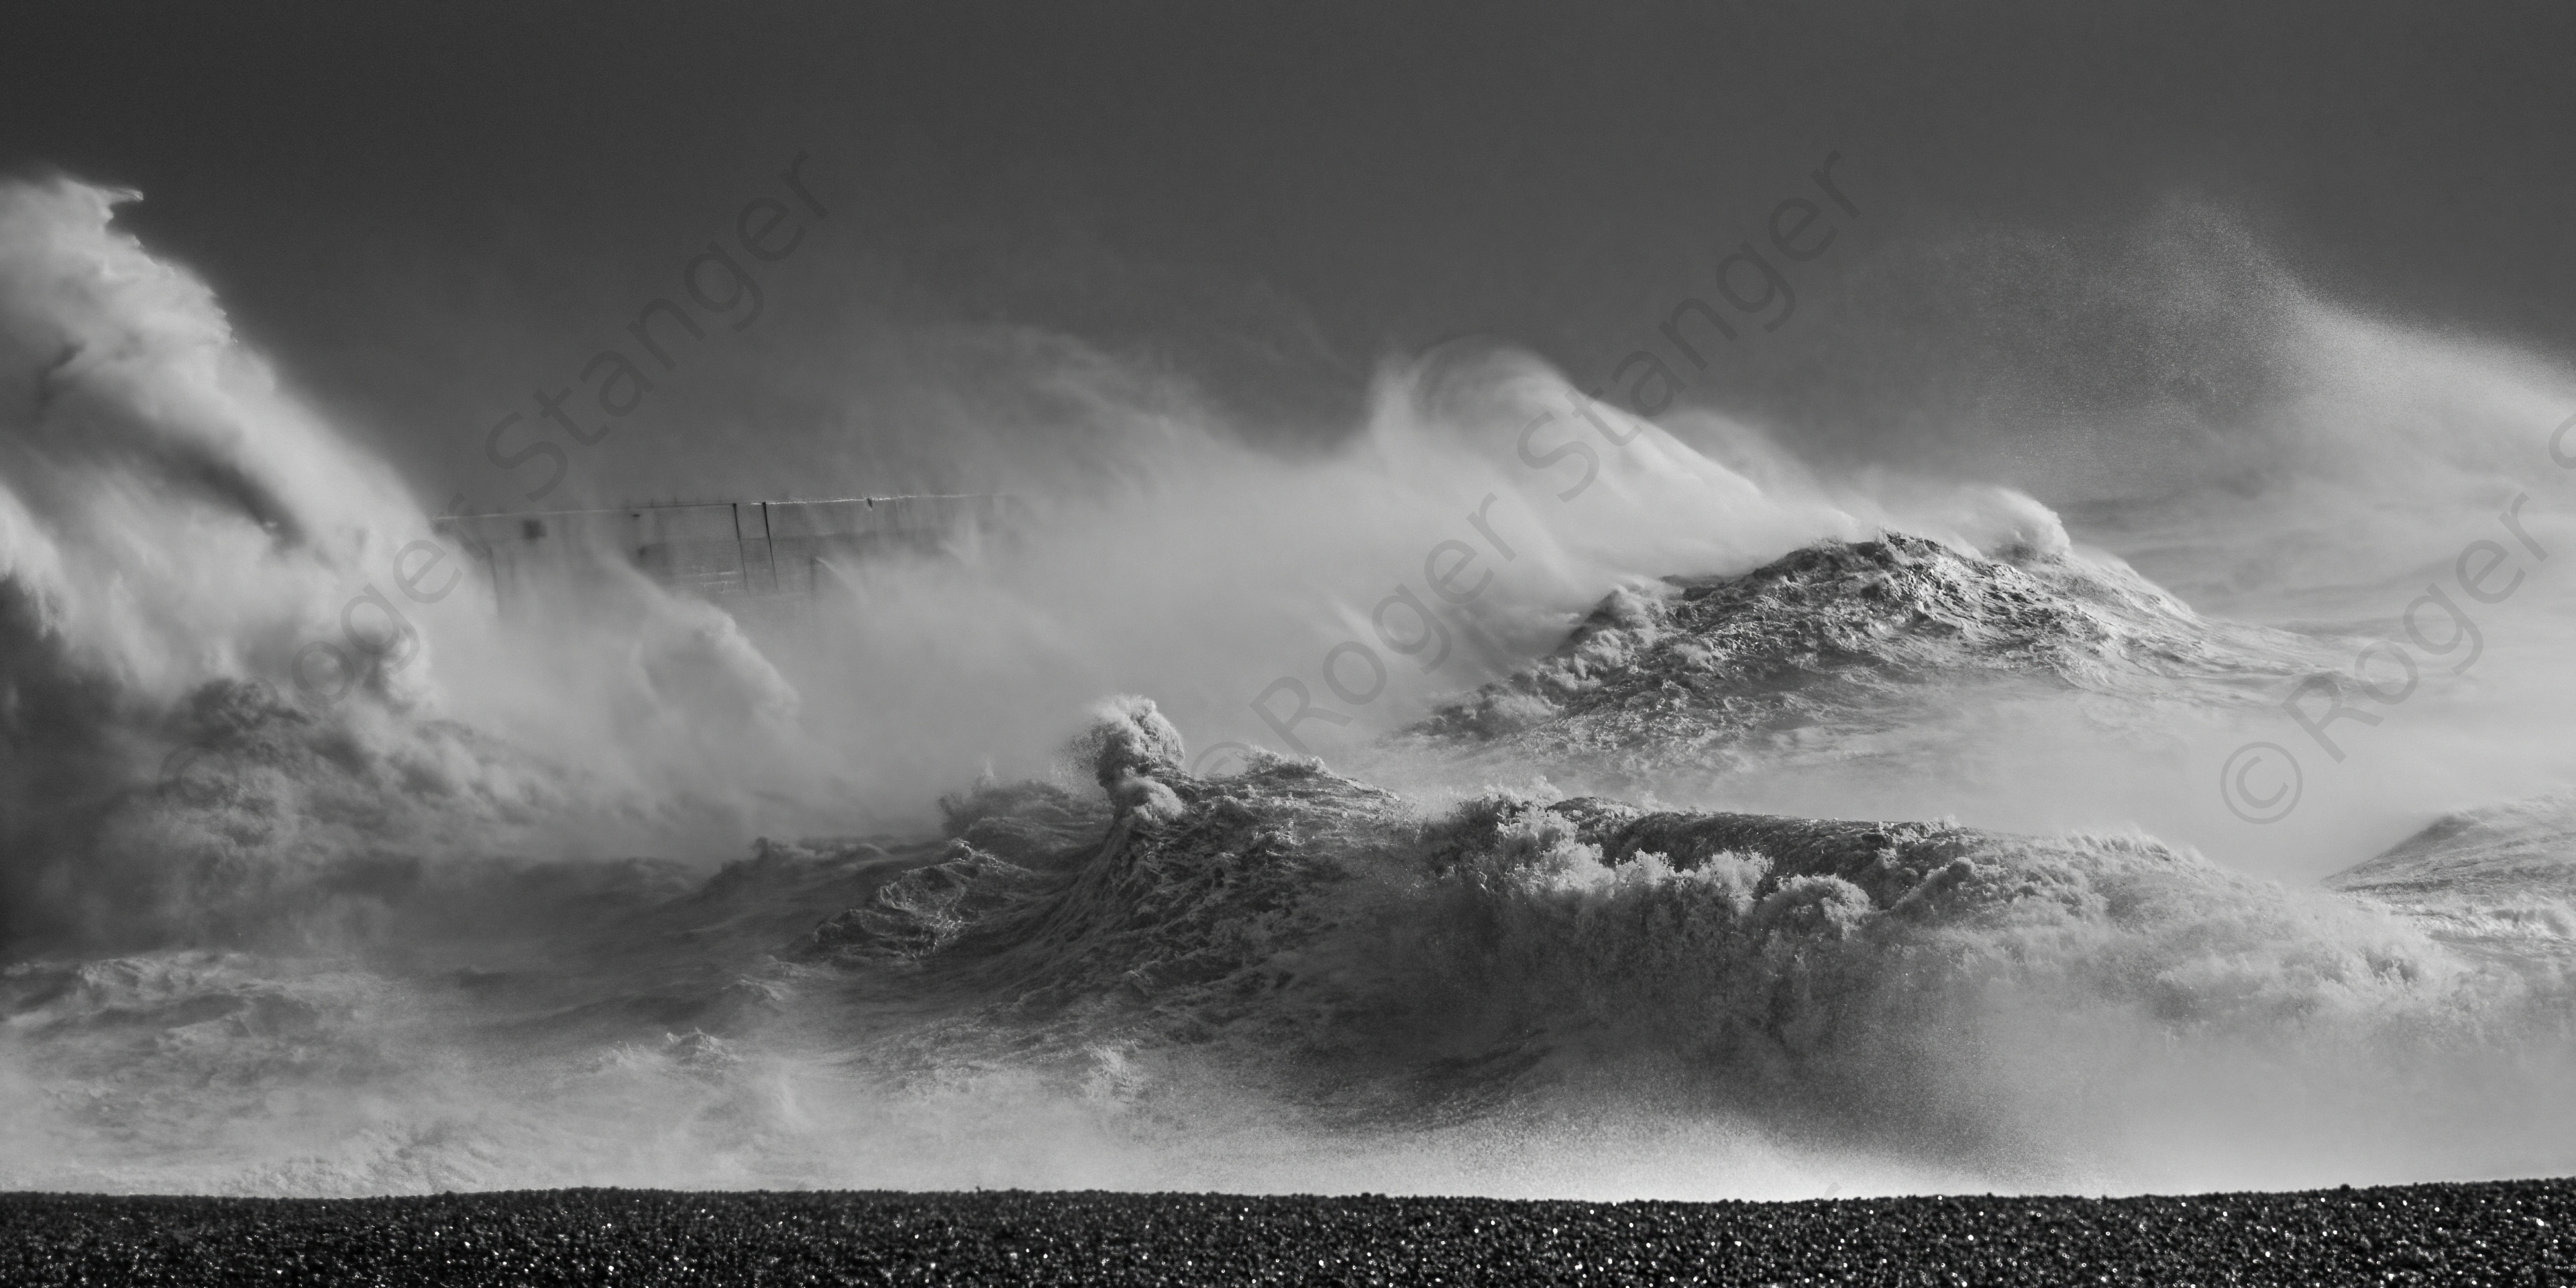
(1396,818)
(1522,799)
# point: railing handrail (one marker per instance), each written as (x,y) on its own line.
(684,505)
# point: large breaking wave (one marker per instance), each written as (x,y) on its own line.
(320,882)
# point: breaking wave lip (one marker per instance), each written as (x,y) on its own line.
(1848,650)
(1288,964)
(1923,991)
(2498,881)
(310,960)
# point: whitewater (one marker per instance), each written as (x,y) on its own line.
(1776,818)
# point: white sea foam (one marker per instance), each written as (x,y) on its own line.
(394,940)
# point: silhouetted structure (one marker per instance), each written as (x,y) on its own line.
(724,551)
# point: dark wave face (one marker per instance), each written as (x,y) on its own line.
(1755,828)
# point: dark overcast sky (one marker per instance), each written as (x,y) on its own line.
(425,209)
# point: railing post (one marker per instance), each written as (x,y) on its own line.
(741,552)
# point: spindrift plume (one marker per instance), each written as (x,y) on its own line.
(1709,819)
(239,655)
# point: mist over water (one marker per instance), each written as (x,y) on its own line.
(325,875)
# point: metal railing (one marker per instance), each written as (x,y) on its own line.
(720,550)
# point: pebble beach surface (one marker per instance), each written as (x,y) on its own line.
(2489,1233)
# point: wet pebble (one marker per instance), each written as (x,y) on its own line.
(2490,1233)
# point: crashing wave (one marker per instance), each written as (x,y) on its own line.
(268,825)
(2499,880)
(1847,649)
(1368,958)
(306,954)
